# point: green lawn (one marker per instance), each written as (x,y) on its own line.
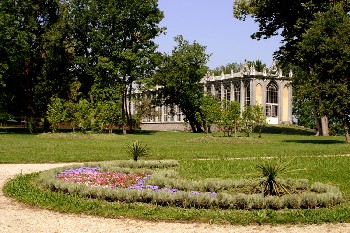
(68,147)
(200,156)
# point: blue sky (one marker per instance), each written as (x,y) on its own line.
(211,23)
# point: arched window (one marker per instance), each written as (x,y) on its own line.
(272,100)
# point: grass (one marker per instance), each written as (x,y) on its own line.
(200,156)
(76,147)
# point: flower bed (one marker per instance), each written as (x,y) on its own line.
(164,187)
(90,176)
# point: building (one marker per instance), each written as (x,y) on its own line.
(268,88)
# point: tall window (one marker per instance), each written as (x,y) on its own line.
(247,93)
(272,100)
(227,91)
(209,89)
(218,91)
(237,90)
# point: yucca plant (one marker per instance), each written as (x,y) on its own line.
(270,184)
(137,149)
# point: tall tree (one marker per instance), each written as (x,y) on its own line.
(30,53)
(114,43)
(290,19)
(326,47)
(179,75)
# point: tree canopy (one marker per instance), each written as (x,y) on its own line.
(48,45)
(307,45)
(326,47)
(179,76)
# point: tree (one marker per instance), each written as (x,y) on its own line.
(210,111)
(290,19)
(107,114)
(56,113)
(33,55)
(180,75)
(326,46)
(234,114)
(248,120)
(259,118)
(234,67)
(230,117)
(115,44)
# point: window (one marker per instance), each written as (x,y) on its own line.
(227,91)
(272,100)
(237,91)
(218,91)
(247,93)
(209,89)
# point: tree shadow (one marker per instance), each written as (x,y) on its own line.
(17,130)
(287,130)
(136,132)
(312,141)
(21,130)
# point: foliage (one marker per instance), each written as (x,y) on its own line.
(145,108)
(234,67)
(137,150)
(326,47)
(259,118)
(276,18)
(248,120)
(48,48)
(56,113)
(84,115)
(120,48)
(107,114)
(210,110)
(179,75)
(269,172)
(35,55)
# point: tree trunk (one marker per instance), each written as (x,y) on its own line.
(324,123)
(318,122)
(130,121)
(123,113)
(346,130)
(199,127)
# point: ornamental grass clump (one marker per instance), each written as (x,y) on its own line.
(137,150)
(270,184)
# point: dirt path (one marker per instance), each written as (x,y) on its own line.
(16,217)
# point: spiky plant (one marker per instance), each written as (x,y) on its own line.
(270,184)
(137,149)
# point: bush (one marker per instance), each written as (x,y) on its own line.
(137,149)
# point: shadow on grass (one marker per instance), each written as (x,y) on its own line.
(136,132)
(322,142)
(287,130)
(16,130)
(20,130)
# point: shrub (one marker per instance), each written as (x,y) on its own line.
(137,149)
(270,184)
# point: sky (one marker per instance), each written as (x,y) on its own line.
(211,24)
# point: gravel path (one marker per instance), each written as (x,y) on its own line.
(16,217)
